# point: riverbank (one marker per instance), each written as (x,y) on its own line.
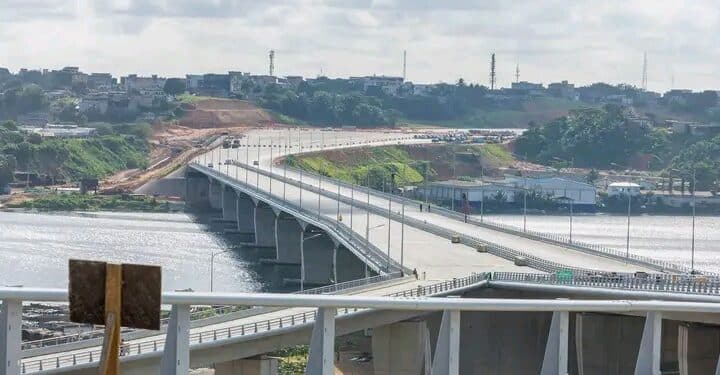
(53,201)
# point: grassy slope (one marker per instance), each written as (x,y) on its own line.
(352,165)
(102,156)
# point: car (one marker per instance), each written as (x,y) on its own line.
(210,165)
(255,162)
(228,162)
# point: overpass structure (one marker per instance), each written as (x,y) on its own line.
(339,233)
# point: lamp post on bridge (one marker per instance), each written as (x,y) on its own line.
(692,203)
(629,208)
(301,171)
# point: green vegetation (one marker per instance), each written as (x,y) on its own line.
(75,202)
(120,147)
(591,137)
(17,99)
(703,157)
(378,165)
(293,360)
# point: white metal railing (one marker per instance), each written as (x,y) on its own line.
(683,284)
(207,335)
(332,304)
(202,314)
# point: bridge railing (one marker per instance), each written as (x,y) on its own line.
(590,248)
(211,311)
(200,335)
(683,284)
(355,243)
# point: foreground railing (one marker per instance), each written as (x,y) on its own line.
(173,350)
(204,335)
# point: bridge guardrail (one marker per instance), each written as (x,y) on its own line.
(589,248)
(685,284)
(199,337)
(203,314)
(355,243)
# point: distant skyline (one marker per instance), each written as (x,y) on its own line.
(581,41)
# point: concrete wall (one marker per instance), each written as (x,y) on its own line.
(264,226)
(610,343)
(288,237)
(252,366)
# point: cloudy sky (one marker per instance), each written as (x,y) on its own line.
(579,40)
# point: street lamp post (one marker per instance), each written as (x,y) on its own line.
(247,157)
(301,171)
(270,179)
(212,265)
(524,204)
(692,254)
(452,199)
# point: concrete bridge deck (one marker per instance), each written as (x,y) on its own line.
(422,250)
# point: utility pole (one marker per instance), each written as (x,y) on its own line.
(692,255)
(404,65)
(300,167)
(492,72)
(524,204)
(247,157)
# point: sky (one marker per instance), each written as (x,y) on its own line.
(582,41)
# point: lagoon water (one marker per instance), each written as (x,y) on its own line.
(35,248)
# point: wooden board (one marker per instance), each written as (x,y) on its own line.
(141,289)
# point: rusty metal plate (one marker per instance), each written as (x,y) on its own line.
(141,291)
(140,298)
(87,291)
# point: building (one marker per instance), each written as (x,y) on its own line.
(34,119)
(192,82)
(623,188)
(694,128)
(214,85)
(581,194)
(423,89)
(236,82)
(563,90)
(677,96)
(389,85)
(294,81)
(100,81)
(134,84)
(4,74)
(61,131)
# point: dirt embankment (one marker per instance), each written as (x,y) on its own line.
(175,143)
(223,113)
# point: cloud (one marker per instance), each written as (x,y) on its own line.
(580,40)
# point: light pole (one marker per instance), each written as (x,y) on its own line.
(302,256)
(247,157)
(692,253)
(452,199)
(352,202)
(392,177)
(300,167)
(402,235)
(212,265)
(482,193)
(257,170)
(524,204)
(271,164)
(287,152)
(629,208)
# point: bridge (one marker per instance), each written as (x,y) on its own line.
(366,244)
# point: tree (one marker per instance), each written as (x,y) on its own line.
(51,157)
(7,169)
(174,86)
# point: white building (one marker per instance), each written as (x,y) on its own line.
(580,193)
(144,85)
(623,188)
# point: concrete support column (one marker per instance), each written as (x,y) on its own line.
(349,267)
(555,361)
(447,351)
(698,348)
(321,358)
(229,204)
(288,240)
(399,348)
(318,257)
(648,361)
(10,336)
(197,191)
(245,214)
(176,355)
(608,343)
(215,195)
(264,226)
(248,366)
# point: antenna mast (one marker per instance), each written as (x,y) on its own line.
(492,72)
(272,62)
(404,64)
(517,73)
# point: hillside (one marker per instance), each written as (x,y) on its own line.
(410,164)
(222,113)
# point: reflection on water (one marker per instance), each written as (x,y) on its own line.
(659,236)
(35,248)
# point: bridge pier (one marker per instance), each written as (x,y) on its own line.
(400,348)
(348,266)
(264,225)
(245,213)
(607,343)
(215,195)
(698,348)
(229,203)
(248,366)
(318,251)
(288,239)
(197,189)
